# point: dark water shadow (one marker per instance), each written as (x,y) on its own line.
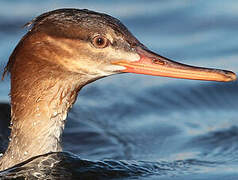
(5,111)
(64,165)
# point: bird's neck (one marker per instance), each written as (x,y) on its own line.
(39,106)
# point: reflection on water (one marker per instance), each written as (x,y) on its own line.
(135,126)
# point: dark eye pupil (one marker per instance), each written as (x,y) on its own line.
(100,41)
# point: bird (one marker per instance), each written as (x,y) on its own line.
(64,50)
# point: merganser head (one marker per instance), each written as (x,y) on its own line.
(64,50)
(99,45)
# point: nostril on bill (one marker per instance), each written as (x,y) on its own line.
(157,61)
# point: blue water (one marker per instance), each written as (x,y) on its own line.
(148,127)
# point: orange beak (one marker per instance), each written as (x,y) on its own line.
(156,65)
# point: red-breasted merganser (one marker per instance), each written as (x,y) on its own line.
(64,50)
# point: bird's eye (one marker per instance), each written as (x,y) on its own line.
(100,42)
